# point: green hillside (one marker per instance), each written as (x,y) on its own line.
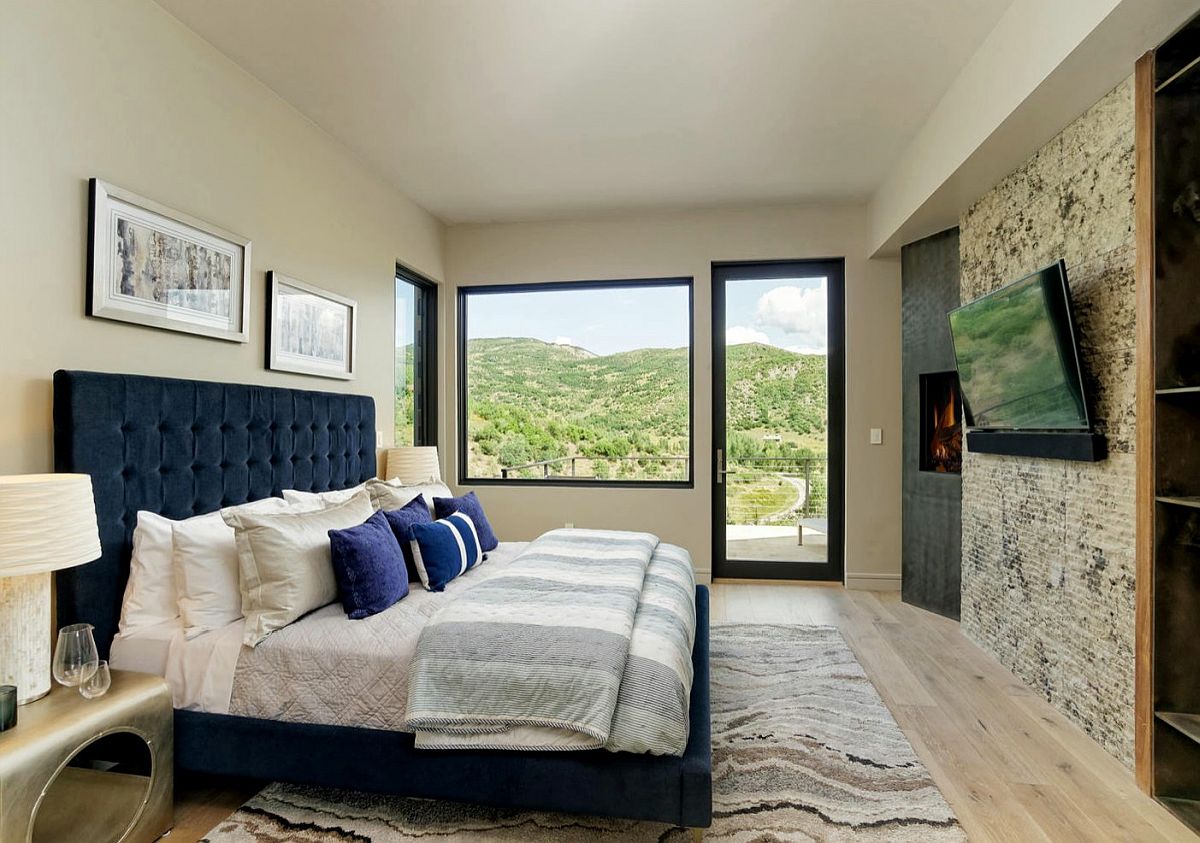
(531,401)
(403,367)
(771,390)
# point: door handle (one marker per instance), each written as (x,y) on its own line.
(721,472)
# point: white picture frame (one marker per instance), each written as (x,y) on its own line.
(310,331)
(154,266)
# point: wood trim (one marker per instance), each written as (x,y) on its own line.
(872,582)
(1144,274)
(773,583)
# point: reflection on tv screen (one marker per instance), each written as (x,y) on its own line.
(1016,364)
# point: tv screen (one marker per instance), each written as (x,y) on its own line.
(1018,366)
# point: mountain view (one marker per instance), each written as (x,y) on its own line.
(532,401)
(591,381)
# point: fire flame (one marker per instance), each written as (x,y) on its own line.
(945,439)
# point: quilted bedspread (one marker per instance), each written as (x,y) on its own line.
(328,669)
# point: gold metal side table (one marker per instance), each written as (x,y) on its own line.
(100,770)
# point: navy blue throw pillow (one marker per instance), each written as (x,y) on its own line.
(401,521)
(444,549)
(469,505)
(369,566)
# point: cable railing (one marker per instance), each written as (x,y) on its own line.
(776,491)
(600,468)
(761,490)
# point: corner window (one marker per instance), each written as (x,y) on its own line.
(416,360)
(576,383)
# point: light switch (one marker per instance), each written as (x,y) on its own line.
(876,436)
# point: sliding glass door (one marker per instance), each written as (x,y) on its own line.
(778,389)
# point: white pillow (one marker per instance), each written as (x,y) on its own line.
(390,494)
(284,562)
(150,596)
(206,568)
(319,500)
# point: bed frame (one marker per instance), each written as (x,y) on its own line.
(181,448)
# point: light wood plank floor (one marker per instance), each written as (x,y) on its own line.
(1013,768)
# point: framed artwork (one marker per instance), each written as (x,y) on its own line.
(150,265)
(310,331)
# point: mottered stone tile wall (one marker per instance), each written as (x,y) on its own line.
(1048,546)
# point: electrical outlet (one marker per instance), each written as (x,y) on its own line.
(876,436)
(569,525)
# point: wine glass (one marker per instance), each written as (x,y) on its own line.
(75,657)
(97,684)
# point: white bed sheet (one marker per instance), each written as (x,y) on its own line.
(201,671)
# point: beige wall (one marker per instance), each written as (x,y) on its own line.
(1042,65)
(687,244)
(122,91)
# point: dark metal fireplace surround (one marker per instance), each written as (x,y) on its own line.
(931,508)
(940,448)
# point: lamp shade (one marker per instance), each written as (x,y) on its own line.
(413,465)
(47,522)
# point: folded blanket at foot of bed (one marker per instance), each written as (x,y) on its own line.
(584,642)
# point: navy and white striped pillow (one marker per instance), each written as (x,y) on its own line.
(444,549)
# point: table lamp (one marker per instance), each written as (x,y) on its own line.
(47,522)
(413,465)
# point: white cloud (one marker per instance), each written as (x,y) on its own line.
(563,341)
(800,312)
(740,335)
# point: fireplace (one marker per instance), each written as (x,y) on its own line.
(941,423)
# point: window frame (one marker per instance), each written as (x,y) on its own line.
(425,357)
(465,293)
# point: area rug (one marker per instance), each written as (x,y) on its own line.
(803,749)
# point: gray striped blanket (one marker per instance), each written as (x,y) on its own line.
(585,641)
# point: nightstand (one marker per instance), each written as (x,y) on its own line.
(100,770)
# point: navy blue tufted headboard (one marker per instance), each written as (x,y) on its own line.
(181,448)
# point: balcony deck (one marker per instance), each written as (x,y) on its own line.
(774,544)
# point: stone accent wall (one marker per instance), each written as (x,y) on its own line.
(1048,546)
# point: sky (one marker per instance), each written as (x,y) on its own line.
(405,306)
(603,321)
(788,313)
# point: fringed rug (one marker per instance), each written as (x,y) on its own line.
(803,749)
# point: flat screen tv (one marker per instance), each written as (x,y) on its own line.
(1018,365)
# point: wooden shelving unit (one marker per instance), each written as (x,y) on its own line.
(1186,724)
(1178,501)
(1167,719)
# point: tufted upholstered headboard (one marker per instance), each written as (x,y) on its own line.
(181,448)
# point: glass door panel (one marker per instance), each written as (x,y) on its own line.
(777,419)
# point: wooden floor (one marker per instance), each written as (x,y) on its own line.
(1013,768)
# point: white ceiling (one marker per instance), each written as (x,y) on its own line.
(485,110)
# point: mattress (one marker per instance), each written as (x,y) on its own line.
(199,671)
(144,650)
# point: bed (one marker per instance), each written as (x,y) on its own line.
(181,448)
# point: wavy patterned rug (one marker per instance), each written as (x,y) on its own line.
(803,749)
